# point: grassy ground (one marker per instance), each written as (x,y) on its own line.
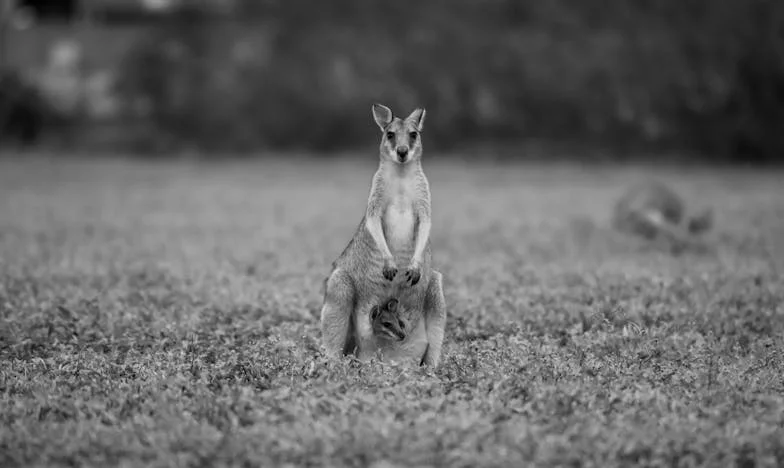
(167,314)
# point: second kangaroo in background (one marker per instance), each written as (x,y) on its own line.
(392,242)
(654,211)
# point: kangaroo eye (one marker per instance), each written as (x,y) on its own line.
(413,135)
(391,135)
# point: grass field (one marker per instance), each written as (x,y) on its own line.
(166,314)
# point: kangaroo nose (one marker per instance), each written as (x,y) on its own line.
(402,151)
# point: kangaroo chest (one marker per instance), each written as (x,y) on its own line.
(400,219)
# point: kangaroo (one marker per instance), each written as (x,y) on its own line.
(391,323)
(653,211)
(393,233)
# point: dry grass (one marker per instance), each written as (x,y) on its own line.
(167,314)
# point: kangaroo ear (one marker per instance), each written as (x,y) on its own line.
(418,117)
(382,115)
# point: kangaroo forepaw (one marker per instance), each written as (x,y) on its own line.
(412,275)
(389,271)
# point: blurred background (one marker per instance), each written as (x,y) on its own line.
(703,79)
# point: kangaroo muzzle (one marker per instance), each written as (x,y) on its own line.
(402,153)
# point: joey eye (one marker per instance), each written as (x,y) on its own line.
(391,135)
(413,135)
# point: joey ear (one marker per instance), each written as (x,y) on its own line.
(418,117)
(382,115)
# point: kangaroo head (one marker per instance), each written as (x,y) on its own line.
(386,323)
(400,140)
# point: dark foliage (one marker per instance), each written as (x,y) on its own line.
(699,75)
(22,110)
(28,119)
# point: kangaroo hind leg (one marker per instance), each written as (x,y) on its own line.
(337,328)
(435,319)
